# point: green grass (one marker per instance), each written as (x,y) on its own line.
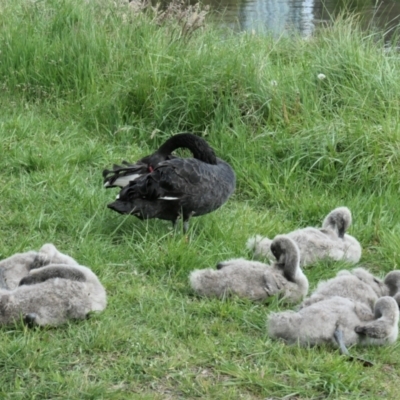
(87,85)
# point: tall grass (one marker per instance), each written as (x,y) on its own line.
(87,84)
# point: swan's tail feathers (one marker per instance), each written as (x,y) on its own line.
(122,175)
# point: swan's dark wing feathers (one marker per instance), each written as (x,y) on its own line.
(187,179)
(173,178)
(141,167)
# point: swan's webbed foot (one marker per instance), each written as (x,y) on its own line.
(338,335)
(185,223)
(30,320)
(185,226)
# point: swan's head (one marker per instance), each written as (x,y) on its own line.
(387,307)
(287,255)
(122,207)
(392,281)
(338,220)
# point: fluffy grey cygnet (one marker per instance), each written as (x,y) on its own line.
(255,280)
(358,285)
(19,265)
(50,294)
(330,241)
(338,321)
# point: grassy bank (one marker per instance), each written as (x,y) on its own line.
(87,85)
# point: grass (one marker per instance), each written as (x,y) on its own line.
(87,84)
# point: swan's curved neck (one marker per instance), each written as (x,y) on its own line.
(197,145)
(337,223)
(292,265)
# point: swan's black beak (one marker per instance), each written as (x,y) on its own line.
(122,207)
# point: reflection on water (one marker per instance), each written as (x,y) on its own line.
(279,16)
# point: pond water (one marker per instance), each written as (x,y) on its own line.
(279,16)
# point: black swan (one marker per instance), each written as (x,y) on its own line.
(167,187)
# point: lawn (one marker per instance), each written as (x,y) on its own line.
(88,84)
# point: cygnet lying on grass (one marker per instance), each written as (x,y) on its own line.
(255,280)
(338,321)
(51,294)
(358,285)
(330,241)
(14,268)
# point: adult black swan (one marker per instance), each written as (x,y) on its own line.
(122,175)
(167,187)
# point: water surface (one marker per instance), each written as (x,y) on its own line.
(279,16)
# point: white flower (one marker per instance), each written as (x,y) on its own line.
(321,77)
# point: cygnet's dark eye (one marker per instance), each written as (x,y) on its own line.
(274,250)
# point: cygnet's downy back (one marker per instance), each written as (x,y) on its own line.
(358,285)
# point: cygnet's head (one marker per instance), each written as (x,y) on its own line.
(338,220)
(392,281)
(287,255)
(50,255)
(387,307)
